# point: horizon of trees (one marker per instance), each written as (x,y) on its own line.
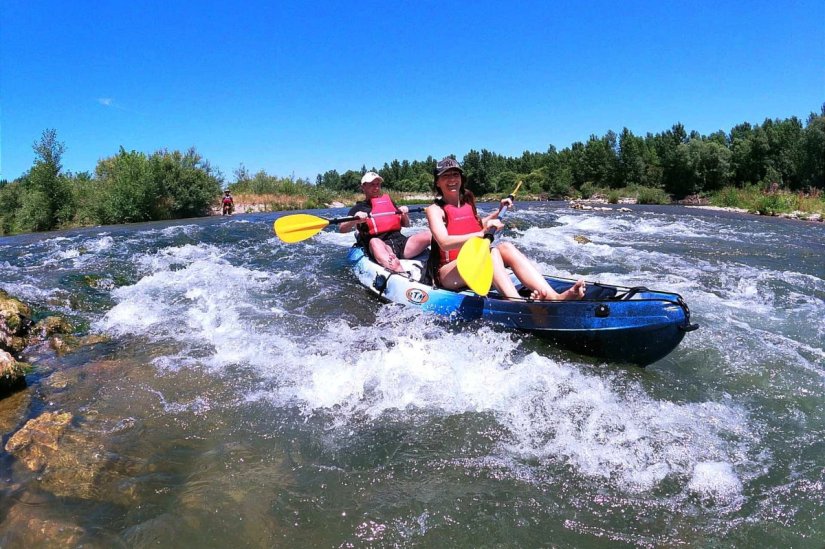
(680,163)
(133,186)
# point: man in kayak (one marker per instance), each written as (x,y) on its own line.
(454,220)
(381,236)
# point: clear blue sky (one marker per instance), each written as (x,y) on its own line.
(301,88)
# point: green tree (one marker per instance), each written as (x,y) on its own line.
(130,193)
(711,165)
(330,180)
(46,198)
(632,168)
(351,181)
(186,184)
(812,149)
(599,161)
(9,206)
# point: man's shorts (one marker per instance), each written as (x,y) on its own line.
(397,242)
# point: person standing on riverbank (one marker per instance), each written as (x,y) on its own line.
(381,236)
(227,203)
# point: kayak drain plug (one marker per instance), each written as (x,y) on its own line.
(602,310)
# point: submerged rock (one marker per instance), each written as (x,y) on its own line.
(29,524)
(37,442)
(12,411)
(74,461)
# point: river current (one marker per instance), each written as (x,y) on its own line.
(251,394)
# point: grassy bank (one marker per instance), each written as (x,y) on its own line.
(769,202)
(752,199)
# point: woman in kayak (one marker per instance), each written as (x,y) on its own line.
(381,236)
(454,220)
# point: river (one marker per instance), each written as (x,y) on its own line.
(251,394)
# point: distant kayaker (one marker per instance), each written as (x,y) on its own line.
(454,220)
(381,236)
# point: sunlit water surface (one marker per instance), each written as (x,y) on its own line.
(252,394)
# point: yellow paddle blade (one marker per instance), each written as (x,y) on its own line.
(475,265)
(298,227)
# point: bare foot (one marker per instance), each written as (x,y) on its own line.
(394,265)
(538,295)
(576,291)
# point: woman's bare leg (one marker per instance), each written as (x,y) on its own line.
(449,278)
(501,278)
(532,278)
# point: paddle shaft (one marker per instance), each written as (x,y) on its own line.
(355,217)
(298,227)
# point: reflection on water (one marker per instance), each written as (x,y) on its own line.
(251,394)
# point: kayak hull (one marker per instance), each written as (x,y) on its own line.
(633,325)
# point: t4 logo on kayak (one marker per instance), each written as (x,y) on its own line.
(417,296)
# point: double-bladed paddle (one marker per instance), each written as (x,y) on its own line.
(298,227)
(475,263)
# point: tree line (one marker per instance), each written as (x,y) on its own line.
(781,152)
(125,188)
(133,186)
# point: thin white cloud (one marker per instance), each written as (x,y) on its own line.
(106,101)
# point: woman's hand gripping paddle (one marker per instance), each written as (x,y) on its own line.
(475,263)
(298,227)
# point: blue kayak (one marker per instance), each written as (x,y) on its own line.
(617,324)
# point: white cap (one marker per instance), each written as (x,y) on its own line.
(369,177)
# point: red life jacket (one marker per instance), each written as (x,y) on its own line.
(459,220)
(384,223)
(227,200)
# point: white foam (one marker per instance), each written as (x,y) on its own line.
(601,426)
(715,480)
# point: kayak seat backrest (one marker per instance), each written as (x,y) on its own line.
(592,291)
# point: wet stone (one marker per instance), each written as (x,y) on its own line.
(53,325)
(12,374)
(15,320)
